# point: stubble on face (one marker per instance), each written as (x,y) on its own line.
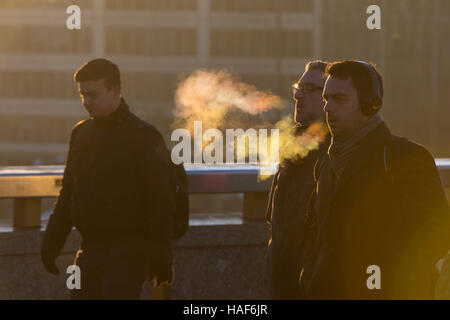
(309,106)
(343,112)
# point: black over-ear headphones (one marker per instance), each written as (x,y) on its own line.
(373,103)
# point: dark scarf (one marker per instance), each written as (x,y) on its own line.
(340,152)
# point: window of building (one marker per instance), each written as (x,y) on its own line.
(45,39)
(261,43)
(149,86)
(255,6)
(36,129)
(153,5)
(43,4)
(151,41)
(37,84)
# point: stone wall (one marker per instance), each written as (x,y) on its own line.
(210,261)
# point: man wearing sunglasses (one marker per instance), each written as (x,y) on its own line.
(291,187)
(307,96)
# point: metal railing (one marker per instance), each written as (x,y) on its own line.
(28,185)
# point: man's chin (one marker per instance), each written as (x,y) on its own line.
(304,122)
(92,114)
(333,130)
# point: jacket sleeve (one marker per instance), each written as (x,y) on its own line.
(271,195)
(155,175)
(422,203)
(60,224)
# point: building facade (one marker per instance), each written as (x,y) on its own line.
(158,42)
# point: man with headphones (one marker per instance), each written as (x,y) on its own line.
(378,219)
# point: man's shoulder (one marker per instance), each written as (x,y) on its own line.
(145,129)
(403,145)
(148,129)
(82,124)
(406,151)
(143,124)
(82,128)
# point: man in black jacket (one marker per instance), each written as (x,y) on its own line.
(378,218)
(116,191)
(291,186)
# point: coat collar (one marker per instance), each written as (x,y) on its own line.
(115,118)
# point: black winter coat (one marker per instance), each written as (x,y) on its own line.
(286,212)
(389,209)
(116,186)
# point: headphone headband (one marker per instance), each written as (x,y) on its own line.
(376,93)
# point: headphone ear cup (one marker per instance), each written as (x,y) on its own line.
(373,104)
(376,107)
(369,108)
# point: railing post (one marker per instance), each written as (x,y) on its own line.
(254,206)
(27,212)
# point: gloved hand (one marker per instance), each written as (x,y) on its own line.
(49,263)
(161,273)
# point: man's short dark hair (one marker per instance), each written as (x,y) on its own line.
(317,65)
(359,76)
(99,69)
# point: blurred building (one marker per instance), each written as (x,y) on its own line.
(157,42)
(154,43)
(411,50)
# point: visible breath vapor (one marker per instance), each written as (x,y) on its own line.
(210,95)
(220,100)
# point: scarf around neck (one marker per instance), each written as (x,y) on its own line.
(340,152)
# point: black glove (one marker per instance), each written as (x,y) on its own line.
(161,273)
(49,263)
